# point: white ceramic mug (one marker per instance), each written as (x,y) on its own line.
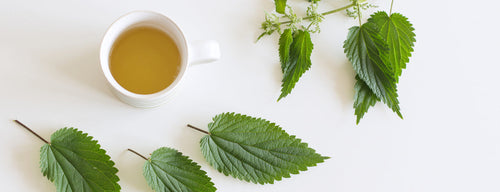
(198,52)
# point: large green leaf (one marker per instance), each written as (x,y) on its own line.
(280,6)
(255,150)
(168,171)
(75,162)
(399,35)
(364,98)
(368,53)
(298,63)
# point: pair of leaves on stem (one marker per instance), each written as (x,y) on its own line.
(295,57)
(244,147)
(75,162)
(379,50)
(247,148)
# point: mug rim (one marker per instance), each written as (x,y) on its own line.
(104,58)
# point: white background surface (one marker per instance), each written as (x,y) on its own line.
(449,141)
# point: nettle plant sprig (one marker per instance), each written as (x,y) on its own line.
(378,49)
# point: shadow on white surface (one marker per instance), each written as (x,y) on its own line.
(83,70)
(27,159)
(131,171)
(344,83)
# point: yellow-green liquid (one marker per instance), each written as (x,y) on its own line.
(144,60)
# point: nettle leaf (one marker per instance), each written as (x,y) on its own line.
(285,42)
(280,6)
(400,38)
(75,162)
(168,170)
(364,98)
(368,53)
(298,63)
(254,149)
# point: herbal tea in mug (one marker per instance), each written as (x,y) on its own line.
(144,60)
(144,56)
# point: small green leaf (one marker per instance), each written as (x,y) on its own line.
(168,170)
(280,6)
(75,162)
(285,41)
(399,35)
(255,150)
(298,63)
(368,53)
(364,98)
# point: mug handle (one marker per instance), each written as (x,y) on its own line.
(205,51)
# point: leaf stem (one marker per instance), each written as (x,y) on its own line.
(198,129)
(138,154)
(309,26)
(34,133)
(390,10)
(359,14)
(337,10)
(325,13)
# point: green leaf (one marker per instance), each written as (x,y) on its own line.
(168,170)
(255,150)
(280,6)
(285,42)
(368,53)
(75,162)
(298,63)
(364,98)
(399,35)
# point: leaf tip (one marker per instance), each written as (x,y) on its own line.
(400,115)
(283,94)
(278,100)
